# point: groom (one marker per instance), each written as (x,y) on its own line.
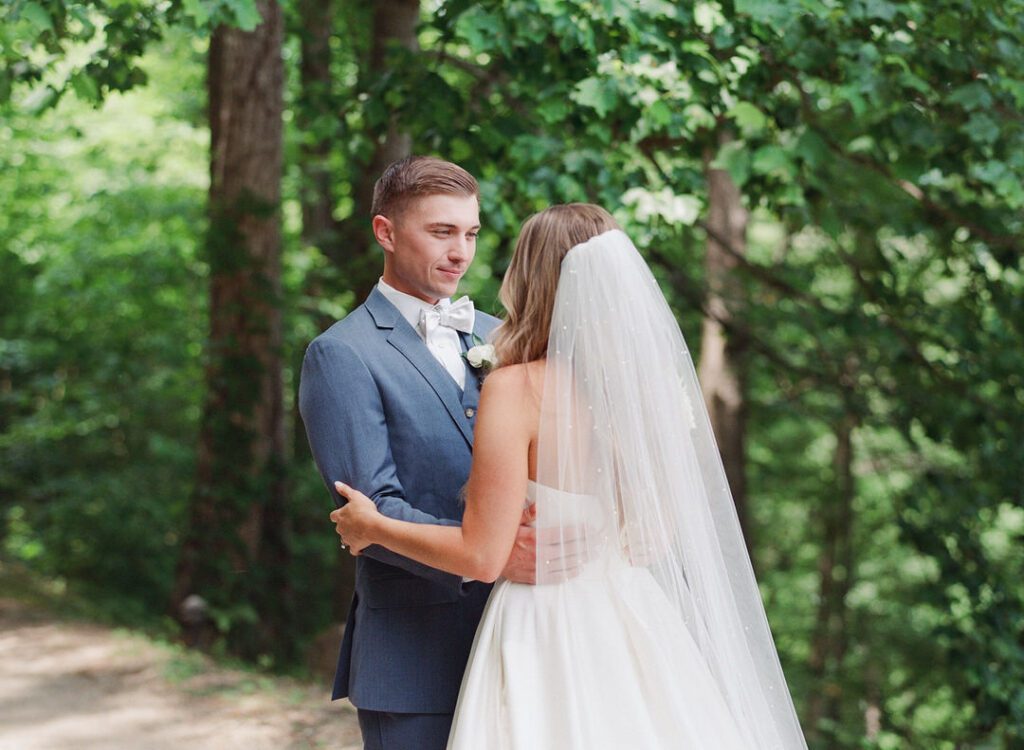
(389,403)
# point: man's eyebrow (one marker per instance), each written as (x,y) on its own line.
(446,225)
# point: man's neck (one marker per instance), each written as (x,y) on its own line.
(398,286)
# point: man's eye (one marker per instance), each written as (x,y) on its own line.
(473,235)
(441,232)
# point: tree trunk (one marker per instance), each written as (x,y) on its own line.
(873,699)
(394,22)
(316,122)
(722,357)
(835,570)
(235,554)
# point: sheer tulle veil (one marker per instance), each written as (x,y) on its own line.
(624,430)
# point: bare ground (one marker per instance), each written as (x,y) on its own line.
(67,685)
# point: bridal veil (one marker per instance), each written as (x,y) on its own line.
(625,431)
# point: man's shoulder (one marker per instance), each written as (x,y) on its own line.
(349,330)
(353,332)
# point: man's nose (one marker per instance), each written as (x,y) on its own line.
(460,248)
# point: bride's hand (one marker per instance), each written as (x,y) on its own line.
(355,521)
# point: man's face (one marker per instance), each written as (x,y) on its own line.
(430,246)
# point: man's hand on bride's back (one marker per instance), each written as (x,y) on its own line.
(522,562)
(562,561)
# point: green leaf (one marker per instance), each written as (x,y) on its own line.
(971,96)
(708,16)
(697,117)
(813,149)
(766,11)
(852,96)
(247,15)
(36,15)
(1016,89)
(815,7)
(734,158)
(576,161)
(597,93)
(981,128)
(481,29)
(879,9)
(551,7)
(197,11)
(554,109)
(85,87)
(1012,191)
(773,160)
(748,118)
(660,113)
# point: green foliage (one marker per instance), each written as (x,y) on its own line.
(878,146)
(93,47)
(89,47)
(101,331)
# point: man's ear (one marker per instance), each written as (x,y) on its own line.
(384,232)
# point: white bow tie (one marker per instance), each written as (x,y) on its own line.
(459,315)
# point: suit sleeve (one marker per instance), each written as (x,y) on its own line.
(348,434)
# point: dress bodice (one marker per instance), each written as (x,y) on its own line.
(567,513)
(559,506)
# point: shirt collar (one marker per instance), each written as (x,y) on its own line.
(410,307)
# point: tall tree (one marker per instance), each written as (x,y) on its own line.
(317,123)
(721,354)
(393,31)
(235,552)
(835,569)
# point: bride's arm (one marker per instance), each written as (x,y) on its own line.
(495,493)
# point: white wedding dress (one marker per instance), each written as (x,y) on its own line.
(674,651)
(600,661)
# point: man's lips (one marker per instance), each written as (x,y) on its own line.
(451,273)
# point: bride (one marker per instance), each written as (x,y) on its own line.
(656,637)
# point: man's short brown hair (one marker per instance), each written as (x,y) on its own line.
(415,177)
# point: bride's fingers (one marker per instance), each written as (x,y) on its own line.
(529,515)
(568,549)
(562,565)
(564,535)
(559,576)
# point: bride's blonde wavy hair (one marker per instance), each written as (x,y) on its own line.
(528,290)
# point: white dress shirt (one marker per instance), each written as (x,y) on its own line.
(444,342)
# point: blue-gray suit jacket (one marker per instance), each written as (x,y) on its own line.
(383,416)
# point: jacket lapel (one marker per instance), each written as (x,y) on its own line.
(407,341)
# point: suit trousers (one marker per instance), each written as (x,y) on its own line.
(383,730)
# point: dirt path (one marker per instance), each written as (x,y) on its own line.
(66,685)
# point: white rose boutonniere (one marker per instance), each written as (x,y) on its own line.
(482,355)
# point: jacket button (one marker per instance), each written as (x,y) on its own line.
(470,412)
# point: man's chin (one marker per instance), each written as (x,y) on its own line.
(447,290)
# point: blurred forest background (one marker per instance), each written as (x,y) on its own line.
(830,192)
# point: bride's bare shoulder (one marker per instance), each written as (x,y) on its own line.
(515,381)
(505,379)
